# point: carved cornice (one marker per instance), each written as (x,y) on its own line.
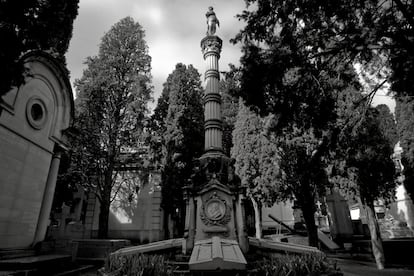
(211,44)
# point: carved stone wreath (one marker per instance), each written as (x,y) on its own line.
(215,211)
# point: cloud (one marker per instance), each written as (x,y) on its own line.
(173,31)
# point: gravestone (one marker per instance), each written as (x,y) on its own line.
(341,223)
(33,122)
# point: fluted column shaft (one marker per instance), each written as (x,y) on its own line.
(211,48)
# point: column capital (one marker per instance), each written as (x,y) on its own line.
(211,44)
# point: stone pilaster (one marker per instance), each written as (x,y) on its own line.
(48,197)
(211,48)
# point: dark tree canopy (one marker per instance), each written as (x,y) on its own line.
(369,160)
(32,25)
(282,75)
(374,33)
(387,124)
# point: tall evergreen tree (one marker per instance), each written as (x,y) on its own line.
(178,126)
(257,161)
(110,111)
(360,164)
(229,109)
(32,25)
(373,33)
(282,76)
(368,172)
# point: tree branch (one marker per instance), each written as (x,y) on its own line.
(405,12)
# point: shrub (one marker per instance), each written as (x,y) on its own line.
(137,265)
(295,265)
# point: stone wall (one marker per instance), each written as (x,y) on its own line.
(140,219)
(32,121)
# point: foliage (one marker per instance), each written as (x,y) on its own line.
(257,161)
(404,114)
(387,124)
(137,264)
(283,76)
(156,126)
(373,33)
(110,111)
(296,265)
(257,158)
(29,25)
(229,108)
(369,161)
(363,168)
(177,126)
(362,165)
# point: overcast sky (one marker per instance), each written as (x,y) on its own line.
(173,31)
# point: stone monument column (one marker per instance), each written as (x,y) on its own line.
(211,48)
(219,238)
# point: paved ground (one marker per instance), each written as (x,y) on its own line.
(358,268)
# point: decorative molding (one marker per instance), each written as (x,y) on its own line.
(212,97)
(211,73)
(211,44)
(215,211)
(36,113)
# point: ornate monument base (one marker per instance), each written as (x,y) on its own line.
(215,232)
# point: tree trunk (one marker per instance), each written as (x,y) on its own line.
(104,209)
(170,226)
(257,217)
(376,240)
(103,220)
(165,224)
(308,215)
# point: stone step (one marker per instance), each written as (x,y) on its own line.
(76,271)
(38,262)
(19,272)
(181,272)
(17,253)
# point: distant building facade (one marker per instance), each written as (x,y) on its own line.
(135,212)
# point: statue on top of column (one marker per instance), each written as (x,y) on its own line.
(212,21)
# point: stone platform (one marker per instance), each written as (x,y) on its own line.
(96,249)
(35,265)
(150,247)
(281,246)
